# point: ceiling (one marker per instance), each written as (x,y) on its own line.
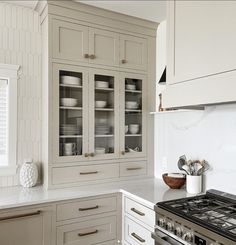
(150,10)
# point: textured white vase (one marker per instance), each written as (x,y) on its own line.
(28,174)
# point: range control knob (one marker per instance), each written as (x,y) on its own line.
(170,226)
(179,231)
(162,222)
(188,237)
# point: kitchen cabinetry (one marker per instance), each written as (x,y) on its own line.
(26,226)
(201,50)
(138,223)
(97,73)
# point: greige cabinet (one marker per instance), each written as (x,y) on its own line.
(26,227)
(201,66)
(98,69)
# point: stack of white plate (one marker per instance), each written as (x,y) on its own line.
(102,84)
(70,80)
(70,129)
(131,105)
(102,129)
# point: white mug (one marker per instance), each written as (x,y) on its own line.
(69,149)
(194,184)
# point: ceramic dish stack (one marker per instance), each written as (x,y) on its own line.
(131,105)
(102,129)
(101,84)
(70,129)
(70,80)
(69,102)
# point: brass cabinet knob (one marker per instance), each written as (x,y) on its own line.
(86,56)
(123,61)
(92,154)
(92,56)
(123,153)
(86,155)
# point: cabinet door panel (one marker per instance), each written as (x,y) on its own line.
(70,41)
(27,228)
(104,45)
(133,52)
(201,39)
(70,113)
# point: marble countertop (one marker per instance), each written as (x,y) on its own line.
(148,191)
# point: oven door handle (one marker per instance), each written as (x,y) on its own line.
(159,237)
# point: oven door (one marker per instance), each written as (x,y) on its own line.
(163,239)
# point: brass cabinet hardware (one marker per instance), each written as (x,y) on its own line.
(92,56)
(92,154)
(20,216)
(92,172)
(89,208)
(86,155)
(134,168)
(123,61)
(123,153)
(86,56)
(137,237)
(137,212)
(88,233)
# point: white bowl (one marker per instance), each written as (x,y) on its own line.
(100,104)
(130,86)
(100,150)
(131,104)
(70,80)
(133,130)
(134,126)
(68,102)
(101,84)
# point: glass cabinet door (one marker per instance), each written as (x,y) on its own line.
(104,125)
(70,99)
(133,120)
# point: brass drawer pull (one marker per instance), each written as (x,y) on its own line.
(137,212)
(92,154)
(138,237)
(123,61)
(134,168)
(86,155)
(20,216)
(84,173)
(92,56)
(86,56)
(88,233)
(89,208)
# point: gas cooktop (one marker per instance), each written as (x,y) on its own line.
(215,211)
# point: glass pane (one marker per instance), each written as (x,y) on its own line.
(71,116)
(104,114)
(133,115)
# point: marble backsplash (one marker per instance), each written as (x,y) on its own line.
(208,134)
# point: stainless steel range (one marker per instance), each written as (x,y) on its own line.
(208,219)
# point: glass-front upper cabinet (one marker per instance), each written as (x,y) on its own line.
(70,113)
(133,119)
(104,110)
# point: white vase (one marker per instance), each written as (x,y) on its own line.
(194,184)
(28,174)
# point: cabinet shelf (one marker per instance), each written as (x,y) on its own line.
(104,135)
(70,136)
(133,135)
(70,86)
(133,91)
(104,89)
(70,108)
(104,109)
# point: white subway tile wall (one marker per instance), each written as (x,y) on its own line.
(20,44)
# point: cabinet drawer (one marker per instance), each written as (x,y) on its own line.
(78,209)
(135,234)
(64,175)
(140,212)
(133,169)
(88,232)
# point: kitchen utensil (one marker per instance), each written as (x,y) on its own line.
(70,80)
(100,104)
(183,162)
(70,102)
(175,180)
(205,167)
